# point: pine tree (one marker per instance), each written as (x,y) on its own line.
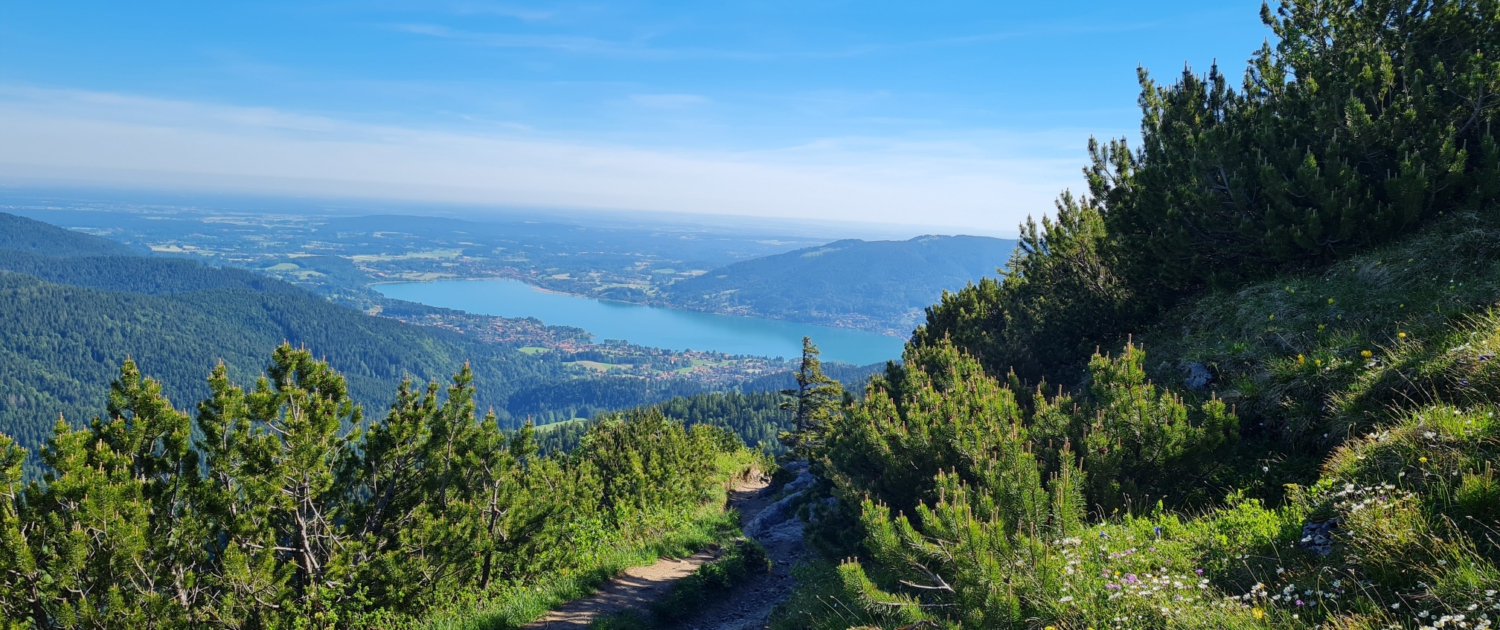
(816,401)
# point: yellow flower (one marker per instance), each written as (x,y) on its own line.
(1273,316)
(1422,459)
(1330,300)
(1401,335)
(1259,613)
(1366,354)
(1301,359)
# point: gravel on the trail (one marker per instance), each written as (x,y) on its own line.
(747,606)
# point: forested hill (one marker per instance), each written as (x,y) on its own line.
(20,234)
(870,284)
(73,307)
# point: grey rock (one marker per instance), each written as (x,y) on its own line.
(1317,538)
(803,481)
(773,515)
(1198,376)
(788,532)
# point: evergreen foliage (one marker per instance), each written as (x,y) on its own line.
(30,236)
(813,403)
(1264,237)
(1366,119)
(274,508)
(757,419)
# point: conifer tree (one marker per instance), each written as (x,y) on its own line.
(20,590)
(815,403)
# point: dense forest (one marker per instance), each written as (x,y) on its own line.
(758,419)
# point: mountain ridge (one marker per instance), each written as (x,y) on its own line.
(883,285)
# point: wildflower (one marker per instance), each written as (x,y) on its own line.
(1259,613)
(1301,360)
(1330,300)
(1396,606)
(1422,460)
(1400,335)
(1366,354)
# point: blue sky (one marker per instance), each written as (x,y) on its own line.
(965,116)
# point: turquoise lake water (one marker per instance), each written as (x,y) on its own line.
(648,325)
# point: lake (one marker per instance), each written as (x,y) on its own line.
(649,325)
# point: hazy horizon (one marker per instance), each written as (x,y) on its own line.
(962,118)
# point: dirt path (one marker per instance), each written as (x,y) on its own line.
(638,586)
(749,605)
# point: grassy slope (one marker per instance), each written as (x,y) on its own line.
(1370,388)
(1291,353)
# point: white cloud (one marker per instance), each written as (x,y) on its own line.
(971,184)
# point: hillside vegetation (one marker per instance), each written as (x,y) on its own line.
(69,316)
(870,284)
(1247,381)
(263,510)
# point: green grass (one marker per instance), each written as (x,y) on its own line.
(1419,503)
(1290,353)
(687,533)
(596,365)
(820,601)
(741,560)
(514,605)
(518,605)
(1367,392)
(675,535)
